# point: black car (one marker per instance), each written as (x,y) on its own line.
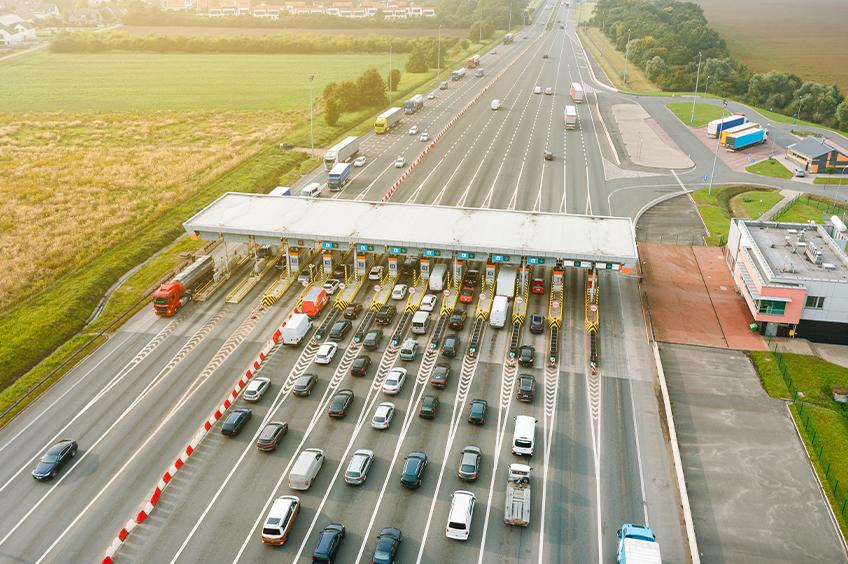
(387,546)
(329,541)
(440,376)
(526,355)
(526,387)
(372,339)
(340,402)
(477,411)
(386,314)
(450,346)
(303,385)
(472,278)
(360,365)
(413,469)
(352,311)
(549,156)
(54,459)
(339,330)
(545,56)
(537,324)
(271,435)
(429,407)
(237,419)
(457,319)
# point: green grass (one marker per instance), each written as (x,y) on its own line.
(752,205)
(802,132)
(704,113)
(718,208)
(770,167)
(832,181)
(811,208)
(138,82)
(811,376)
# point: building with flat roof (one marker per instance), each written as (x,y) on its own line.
(817,157)
(793,276)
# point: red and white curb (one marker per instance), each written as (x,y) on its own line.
(388,195)
(201,433)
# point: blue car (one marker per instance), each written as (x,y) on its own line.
(237,419)
(53,460)
(387,545)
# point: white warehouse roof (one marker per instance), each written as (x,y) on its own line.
(508,232)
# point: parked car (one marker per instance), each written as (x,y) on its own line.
(440,376)
(54,459)
(303,385)
(271,434)
(477,411)
(537,324)
(450,346)
(526,387)
(352,311)
(388,542)
(329,541)
(469,463)
(429,407)
(428,303)
(340,403)
(526,355)
(466,295)
(340,329)
(385,315)
(394,381)
(331,285)
(413,469)
(256,388)
(326,352)
(383,415)
(399,291)
(360,161)
(372,339)
(537,286)
(357,468)
(235,421)
(457,319)
(360,365)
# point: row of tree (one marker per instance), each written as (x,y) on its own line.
(367,91)
(79,42)
(665,37)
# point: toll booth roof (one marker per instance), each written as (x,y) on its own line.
(507,232)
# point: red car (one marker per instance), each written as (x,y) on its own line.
(537,286)
(466,296)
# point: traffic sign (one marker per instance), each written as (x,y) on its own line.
(519,300)
(593,308)
(555,303)
(342,285)
(483,297)
(411,290)
(376,287)
(446,293)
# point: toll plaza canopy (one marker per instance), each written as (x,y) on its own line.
(509,233)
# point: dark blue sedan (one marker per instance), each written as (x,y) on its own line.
(54,459)
(237,419)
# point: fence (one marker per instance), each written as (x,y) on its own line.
(838,491)
(827,208)
(688,239)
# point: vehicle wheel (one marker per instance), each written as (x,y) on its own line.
(74,452)
(53,474)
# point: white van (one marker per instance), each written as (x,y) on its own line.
(500,308)
(438,277)
(524,437)
(420,322)
(280,519)
(461,513)
(305,468)
(312,190)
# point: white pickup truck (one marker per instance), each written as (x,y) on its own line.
(517,506)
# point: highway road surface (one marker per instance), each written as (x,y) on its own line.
(600,458)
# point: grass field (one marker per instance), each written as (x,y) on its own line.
(832,181)
(811,208)
(726,202)
(770,167)
(612,62)
(704,113)
(198,31)
(808,38)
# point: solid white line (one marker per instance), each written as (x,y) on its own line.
(588,193)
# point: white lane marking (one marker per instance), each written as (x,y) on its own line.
(117,347)
(414,196)
(588,193)
(549,424)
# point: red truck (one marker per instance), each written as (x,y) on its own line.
(313,302)
(177,292)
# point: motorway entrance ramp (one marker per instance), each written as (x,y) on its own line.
(692,299)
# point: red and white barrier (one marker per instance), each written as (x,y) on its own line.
(201,433)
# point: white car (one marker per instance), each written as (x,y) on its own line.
(431,95)
(376,273)
(383,415)
(360,161)
(326,353)
(394,381)
(399,291)
(537,90)
(331,285)
(400,162)
(255,389)
(424,137)
(428,303)
(413,130)
(549,91)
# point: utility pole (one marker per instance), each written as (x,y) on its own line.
(390,72)
(480,25)
(697,79)
(509,26)
(715,156)
(439,55)
(626,52)
(311,116)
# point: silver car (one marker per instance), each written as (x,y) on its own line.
(357,469)
(383,415)
(255,389)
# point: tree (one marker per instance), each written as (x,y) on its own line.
(348,96)
(417,61)
(332,110)
(372,89)
(655,69)
(842,115)
(773,90)
(394,79)
(818,102)
(474,30)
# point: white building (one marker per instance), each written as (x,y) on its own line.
(14,30)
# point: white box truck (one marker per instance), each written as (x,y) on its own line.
(576,92)
(570,117)
(500,308)
(638,545)
(438,277)
(296,329)
(506,281)
(341,152)
(517,505)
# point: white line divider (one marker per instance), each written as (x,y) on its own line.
(388,195)
(201,433)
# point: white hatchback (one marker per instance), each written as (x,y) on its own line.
(413,130)
(326,353)
(360,162)
(537,90)
(399,291)
(428,303)
(256,388)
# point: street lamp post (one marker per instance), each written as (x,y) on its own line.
(798,115)
(311,116)
(480,24)
(509,25)
(715,156)
(697,79)
(771,151)
(439,55)
(390,72)
(626,52)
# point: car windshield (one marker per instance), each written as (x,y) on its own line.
(233,417)
(392,380)
(51,458)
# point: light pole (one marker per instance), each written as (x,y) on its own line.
(439,55)
(390,72)
(626,52)
(311,116)
(798,115)
(771,151)
(509,26)
(715,156)
(697,79)
(480,25)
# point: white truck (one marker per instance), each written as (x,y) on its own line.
(500,308)
(506,281)
(517,505)
(637,544)
(576,92)
(341,152)
(296,329)
(570,117)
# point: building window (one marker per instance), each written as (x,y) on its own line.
(814,302)
(770,307)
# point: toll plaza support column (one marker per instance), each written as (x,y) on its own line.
(457,273)
(425,269)
(593,317)
(393,267)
